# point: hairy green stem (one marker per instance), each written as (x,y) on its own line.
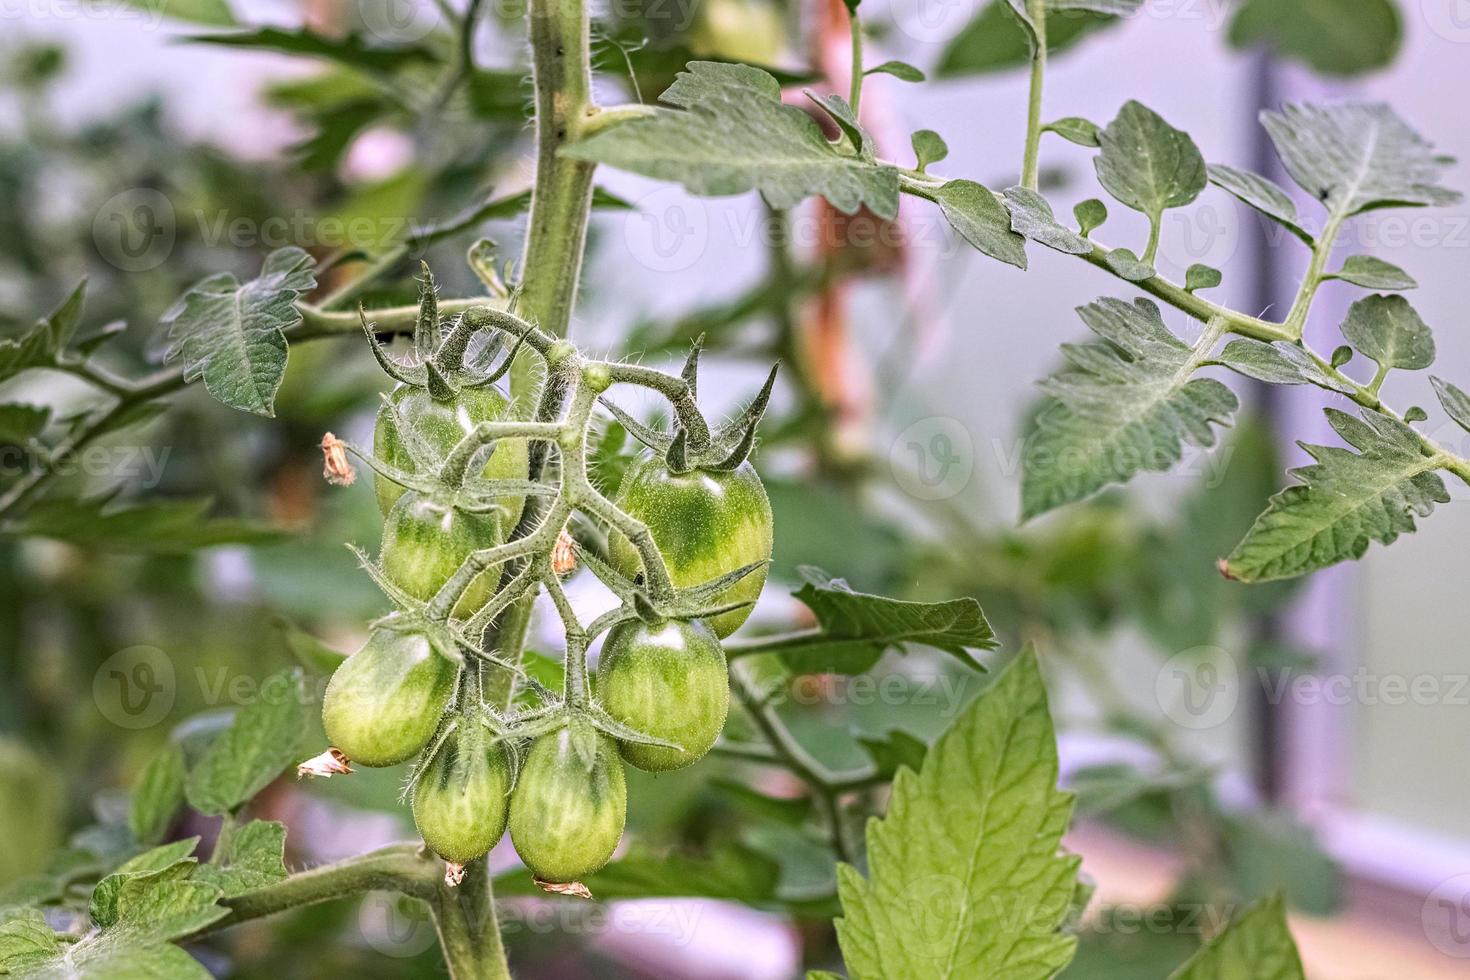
(561,200)
(855,88)
(1031,163)
(1296,319)
(464,917)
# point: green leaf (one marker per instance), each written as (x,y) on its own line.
(1126,265)
(256,857)
(170,862)
(1345,502)
(972,210)
(311,653)
(155,527)
(1147,164)
(233,335)
(1333,37)
(1278,363)
(1090,215)
(1269,851)
(19,424)
(351,49)
(262,741)
(1263,194)
(42,343)
(1371,273)
(1356,157)
(1075,129)
(894,750)
(157,795)
(1387,329)
(1455,401)
(996,40)
(1032,217)
(1123,407)
(901,70)
(1202,277)
(965,874)
(929,147)
(857,626)
(731,872)
(1102,789)
(25,940)
(730,134)
(1341,355)
(210,13)
(1257,946)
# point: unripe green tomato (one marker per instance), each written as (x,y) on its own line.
(706,524)
(566,820)
(440,427)
(384,702)
(426,540)
(668,681)
(461,800)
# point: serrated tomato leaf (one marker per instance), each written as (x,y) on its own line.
(233,335)
(727,132)
(966,877)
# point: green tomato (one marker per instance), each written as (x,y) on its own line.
(440,426)
(426,540)
(384,702)
(706,524)
(461,799)
(668,681)
(565,819)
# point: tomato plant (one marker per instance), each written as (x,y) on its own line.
(491,456)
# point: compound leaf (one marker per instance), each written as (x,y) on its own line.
(965,873)
(233,335)
(1124,406)
(1344,502)
(258,745)
(1356,157)
(729,133)
(1257,945)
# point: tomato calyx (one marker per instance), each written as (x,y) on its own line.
(440,362)
(725,449)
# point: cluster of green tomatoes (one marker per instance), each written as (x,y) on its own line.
(477,499)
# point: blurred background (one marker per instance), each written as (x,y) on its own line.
(1225,741)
